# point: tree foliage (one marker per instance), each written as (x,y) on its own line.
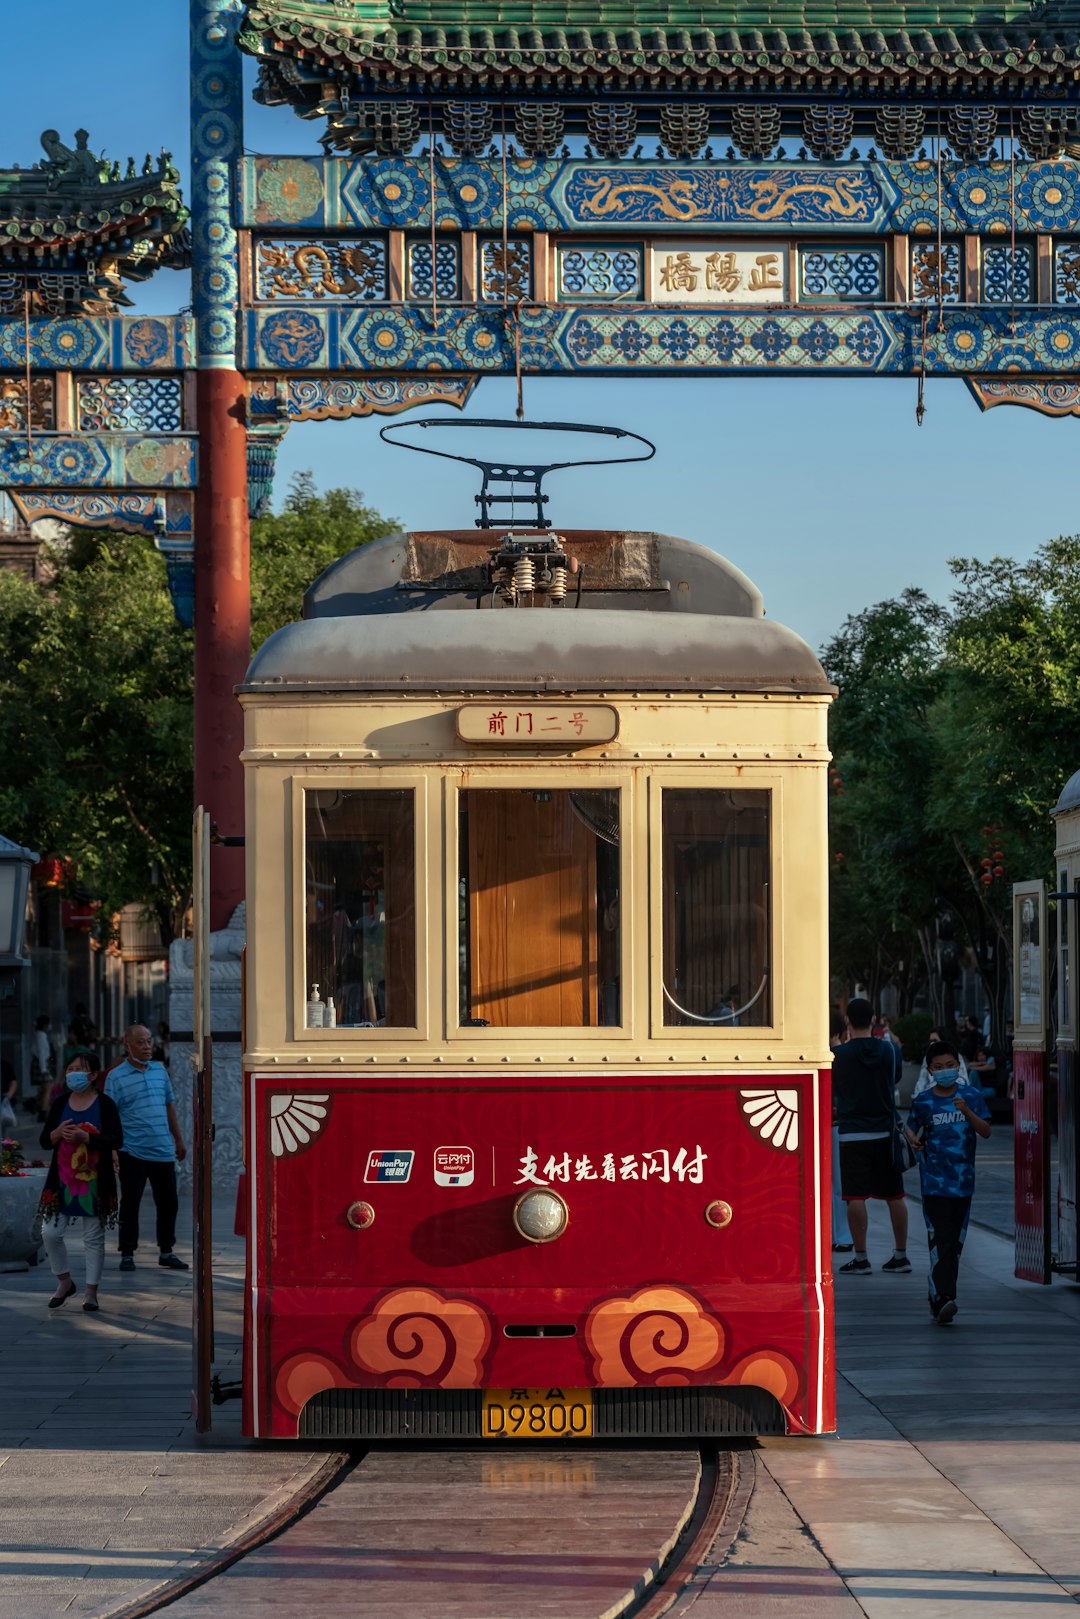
(292,547)
(96,694)
(95,719)
(955,729)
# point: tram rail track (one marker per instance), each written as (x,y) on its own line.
(276,1522)
(700,1534)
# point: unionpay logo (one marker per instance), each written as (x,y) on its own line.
(389,1164)
(454,1166)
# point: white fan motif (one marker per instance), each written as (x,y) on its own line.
(294,1120)
(774,1115)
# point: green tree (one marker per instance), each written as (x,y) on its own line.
(95,720)
(292,547)
(953,734)
(1008,730)
(886,662)
(96,694)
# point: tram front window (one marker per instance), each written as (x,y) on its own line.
(716,908)
(361,906)
(539,908)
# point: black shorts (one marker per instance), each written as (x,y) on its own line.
(866,1170)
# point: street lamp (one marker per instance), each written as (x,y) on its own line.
(15,864)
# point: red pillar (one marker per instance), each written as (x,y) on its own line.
(222,623)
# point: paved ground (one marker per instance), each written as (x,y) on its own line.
(954,1487)
(952,1492)
(476,1534)
(105,1488)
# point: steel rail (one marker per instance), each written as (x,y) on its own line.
(708,1527)
(328,1476)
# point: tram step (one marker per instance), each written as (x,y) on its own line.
(638,1413)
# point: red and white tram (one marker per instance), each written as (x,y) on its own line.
(536,1059)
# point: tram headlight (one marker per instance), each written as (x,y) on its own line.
(541,1215)
(360,1216)
(718,1214)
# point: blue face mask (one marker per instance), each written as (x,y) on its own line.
(78,1080)
(946,1076)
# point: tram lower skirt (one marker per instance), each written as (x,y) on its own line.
(617,1413)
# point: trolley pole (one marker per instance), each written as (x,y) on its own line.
(222,542)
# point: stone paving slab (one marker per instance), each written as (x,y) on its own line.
(466,1535)
(773,1569)
(106,1490)
(953,1491)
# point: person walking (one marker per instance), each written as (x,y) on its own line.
(153,1145)
(841,1232)
(42,1065)
(942,1127)
(84,1131)
(864,1080)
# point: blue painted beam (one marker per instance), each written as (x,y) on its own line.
(99,343)
(878,199)
(583,340)
(87,461)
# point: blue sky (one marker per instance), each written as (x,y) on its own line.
(823,490)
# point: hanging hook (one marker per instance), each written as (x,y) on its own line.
(29,369)
(517,363)
(920,403)
(505,216)
(940,246)
(1012,225)
(431,190)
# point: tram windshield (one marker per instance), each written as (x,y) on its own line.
(361,907)
(716,908)
(539,908)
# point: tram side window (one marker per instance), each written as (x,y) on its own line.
(361,905)
(716,926)
(539,908)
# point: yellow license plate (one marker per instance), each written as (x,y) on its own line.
(538,1414)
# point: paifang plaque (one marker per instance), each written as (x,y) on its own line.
(562,725)
(708,271)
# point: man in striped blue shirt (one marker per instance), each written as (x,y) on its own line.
(153,1145)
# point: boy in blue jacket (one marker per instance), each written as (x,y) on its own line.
(942,1126)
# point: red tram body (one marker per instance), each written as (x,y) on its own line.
(537,1088)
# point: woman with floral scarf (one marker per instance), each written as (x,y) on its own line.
(84,1131)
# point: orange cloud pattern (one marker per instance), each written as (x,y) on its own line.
(656,1337)
(303,1376)
(770,1370)
(417,1338)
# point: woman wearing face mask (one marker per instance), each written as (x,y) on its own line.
(84,1131)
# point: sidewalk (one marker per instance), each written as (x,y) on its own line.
(952,1492)
(105,1488)
(953,1489)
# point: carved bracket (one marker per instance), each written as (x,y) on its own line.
(165,518)
(318,399)
(1047,396)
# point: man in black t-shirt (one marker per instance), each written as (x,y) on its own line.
(864,1077)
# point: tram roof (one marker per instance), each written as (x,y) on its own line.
(1070,795)
(656,614)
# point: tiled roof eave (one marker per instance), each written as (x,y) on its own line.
(47,235)
(484,56)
